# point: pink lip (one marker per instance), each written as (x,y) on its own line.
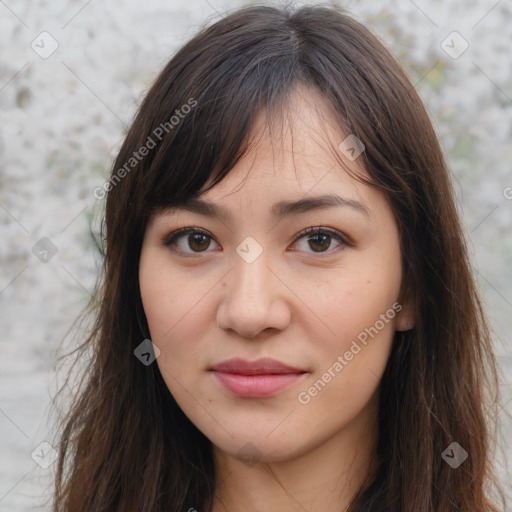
(260,378)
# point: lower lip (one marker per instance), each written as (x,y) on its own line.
(255,386)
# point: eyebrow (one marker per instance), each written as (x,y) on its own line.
(278,210)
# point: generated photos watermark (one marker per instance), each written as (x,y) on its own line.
(152,140)
(305,397)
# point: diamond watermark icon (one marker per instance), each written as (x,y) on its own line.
(44,45)
(454,455)
(249,454)
(454,45)
(44,249)
(147,352)
(44,455)
(351,147)
(249,250)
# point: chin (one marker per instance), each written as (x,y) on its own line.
(255,449)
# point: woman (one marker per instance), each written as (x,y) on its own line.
(287,319)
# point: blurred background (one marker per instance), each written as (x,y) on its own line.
(72,74)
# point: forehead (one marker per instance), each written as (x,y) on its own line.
(293,164)
(298,149)
(302,132)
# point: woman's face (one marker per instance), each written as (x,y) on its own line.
(247,285)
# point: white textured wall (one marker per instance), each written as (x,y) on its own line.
(62,120)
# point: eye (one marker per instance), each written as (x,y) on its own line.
(188,238)
(194,241)
(319,239)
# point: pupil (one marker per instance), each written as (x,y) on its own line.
(198,240)
(324,237)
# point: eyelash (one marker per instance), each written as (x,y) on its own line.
(170,239)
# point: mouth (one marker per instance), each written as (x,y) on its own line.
(256,379)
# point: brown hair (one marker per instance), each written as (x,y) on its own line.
(125,444)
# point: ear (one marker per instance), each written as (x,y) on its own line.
(405,320)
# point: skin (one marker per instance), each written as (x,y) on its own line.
(299,302)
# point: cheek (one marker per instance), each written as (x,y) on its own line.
(175,306)
(350,362)
(171,299)
(166,303)
(353,299)
(358,304)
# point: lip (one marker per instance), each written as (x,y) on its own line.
(255,379)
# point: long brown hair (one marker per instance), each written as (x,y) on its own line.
(124,443)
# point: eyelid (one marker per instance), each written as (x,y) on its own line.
(169,238)
(337,235)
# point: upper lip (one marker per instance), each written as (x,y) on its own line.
(263,366)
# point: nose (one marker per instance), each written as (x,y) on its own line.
(254,299)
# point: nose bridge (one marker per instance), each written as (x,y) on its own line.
(251,276)
(250,303)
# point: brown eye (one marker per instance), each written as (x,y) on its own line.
(319,240)
(319,243)
(198,242)
(188,241)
